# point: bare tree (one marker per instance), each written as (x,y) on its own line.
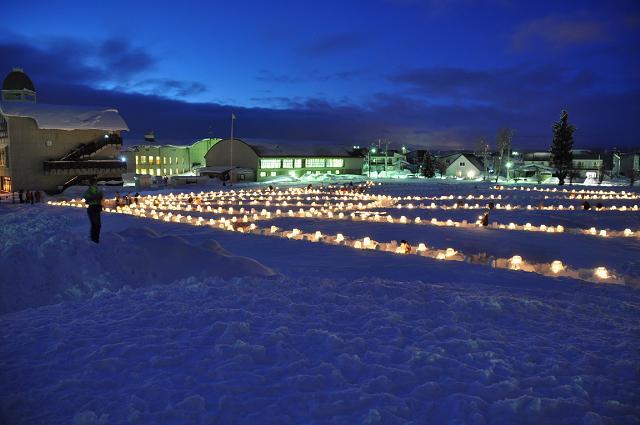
(503,144)
(483,151)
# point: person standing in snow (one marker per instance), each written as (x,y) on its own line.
(93,196)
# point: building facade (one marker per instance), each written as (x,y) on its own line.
(272,162)
(167,160)
(585,164)
(463,166)
(50,147)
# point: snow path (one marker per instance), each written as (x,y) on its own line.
(325,351)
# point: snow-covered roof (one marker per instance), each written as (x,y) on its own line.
(65,117)
(301,150)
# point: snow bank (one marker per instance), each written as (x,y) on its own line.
(44,261)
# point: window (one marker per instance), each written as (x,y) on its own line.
(273,173)
(269,163)
(143,159)
(157,160)
(143,171)
(263,174)
(287,163)
(170,172)
(150,159)
(315,162)
(335,163)
(137,159)
(158,173)
(164,171)
(170,158)
(176,160)
(297,163)
(138,171)
(164,160)
(337,171)
(462,164)
(3,156)
(4,131)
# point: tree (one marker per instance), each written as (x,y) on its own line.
(561,157)
(503,143)
(441,166)
(483,151)
(428,167)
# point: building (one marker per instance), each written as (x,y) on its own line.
(464,165)
(167,160)
(585,164)
(382,163)
(630,164)
(272,162)
(50,147)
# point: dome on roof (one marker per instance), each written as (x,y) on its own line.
(17,80)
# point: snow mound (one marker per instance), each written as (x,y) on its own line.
(45,262)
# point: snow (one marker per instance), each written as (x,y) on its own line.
(66,117)
(167,322)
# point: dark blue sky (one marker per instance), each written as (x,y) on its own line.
(435,73)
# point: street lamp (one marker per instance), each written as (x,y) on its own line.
(371,151)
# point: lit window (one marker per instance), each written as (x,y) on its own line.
(137,171)
(337,171)
(170,158)
(263,174)
(164,171)
(315,162)
(287,163)
(137,159)
(143,159)
(157,160)
(164,160)
(143,171)
(297,163)
(150,159)
(335,163)
(269,163)
(176,160)
(170,172)
(273,173)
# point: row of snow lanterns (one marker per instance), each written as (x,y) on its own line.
(509,207)
(555,189)
(516,262)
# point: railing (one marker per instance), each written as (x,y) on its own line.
(98,164)
(89,148)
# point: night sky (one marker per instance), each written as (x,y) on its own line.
(438,74)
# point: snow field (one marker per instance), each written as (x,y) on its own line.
(324,351)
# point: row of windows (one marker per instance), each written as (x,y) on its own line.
(143,159)
(297,163)
(275,173)
(160,172)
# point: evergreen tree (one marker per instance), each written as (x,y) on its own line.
(428,167)
(561,157)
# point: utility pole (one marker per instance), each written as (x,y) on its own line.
(233,118)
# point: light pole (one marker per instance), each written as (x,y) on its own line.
(233,118)
(371,151)
(509,164)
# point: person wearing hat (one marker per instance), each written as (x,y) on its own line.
(93,197)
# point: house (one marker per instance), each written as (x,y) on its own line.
(50,147)
(585,164)
(385,162)
(630,164)
(463,165)
(269,162)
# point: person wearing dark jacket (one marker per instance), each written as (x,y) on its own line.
(93,197)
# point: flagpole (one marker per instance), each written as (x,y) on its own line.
(233,117)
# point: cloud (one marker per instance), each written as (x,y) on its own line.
(559,32)
(332,44)
(122,59)
(265,75)
(426,107)
(516,86)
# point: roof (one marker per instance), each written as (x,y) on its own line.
(298,150)
(17,80)
(63,117)
(474,160)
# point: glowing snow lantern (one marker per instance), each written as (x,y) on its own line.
(449,222)
(450,252)
(417,220)
(603,233)
(512,226)
(592,231)
(559,228)
(441,256)
(317,235)
(527,226)
(274,229)
(422,247)
(557,266)
(366,241)
(339,237)
(516,262)
(628,232)
(601,273)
